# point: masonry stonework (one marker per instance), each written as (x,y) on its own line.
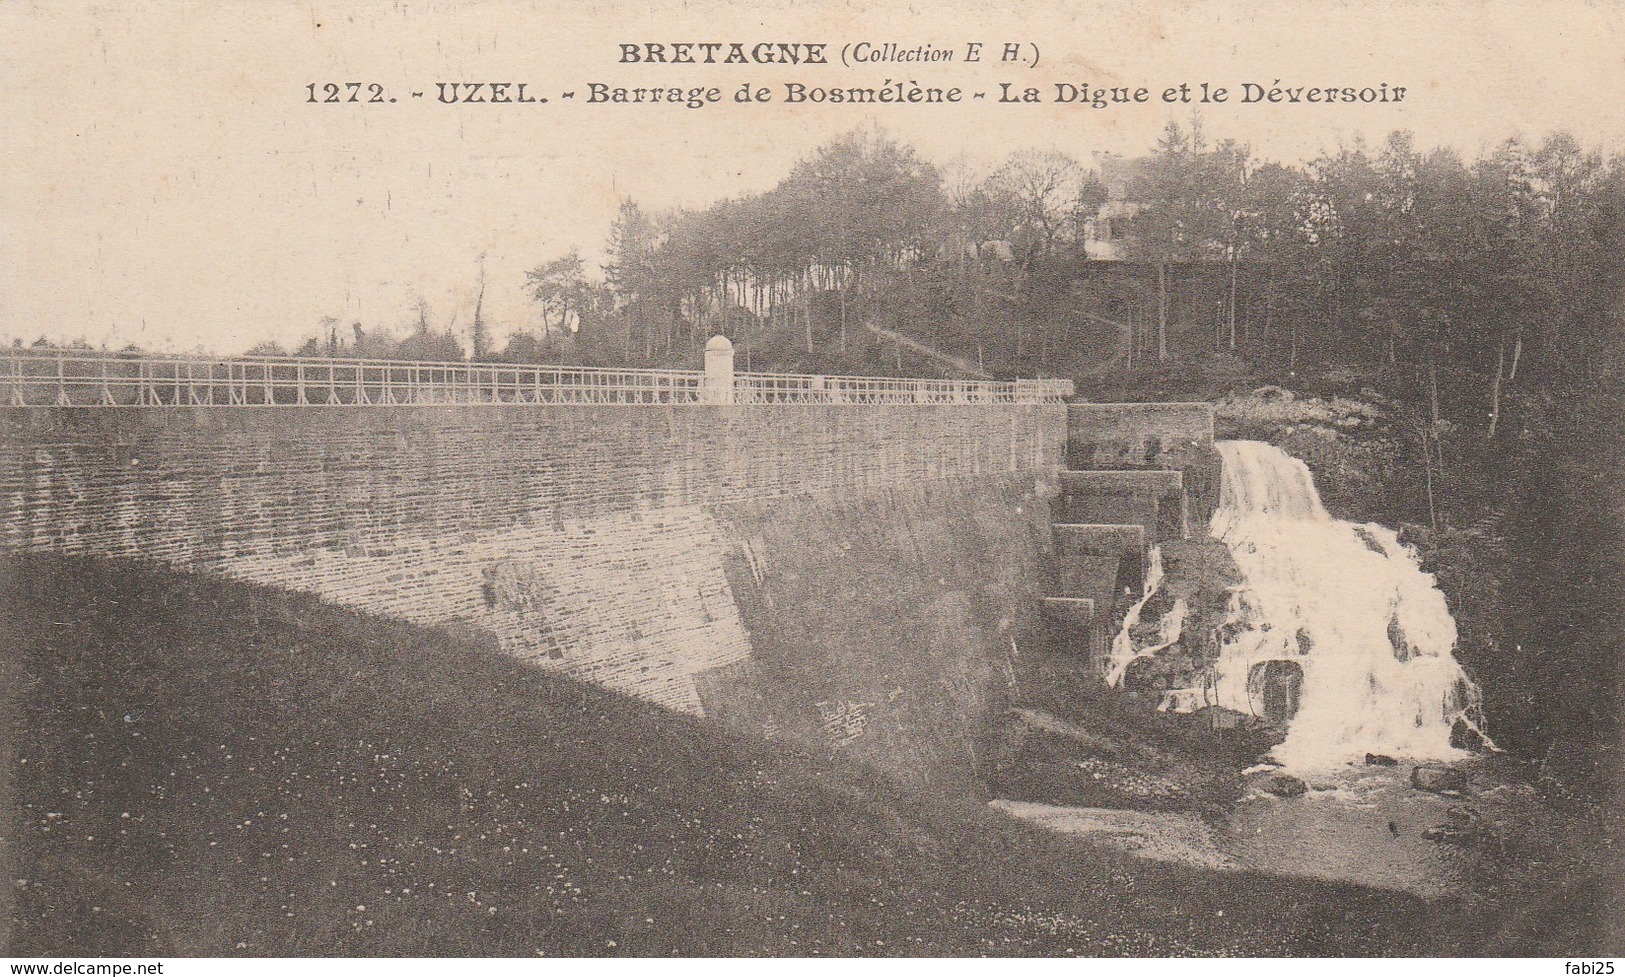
(200,486)
(582,536)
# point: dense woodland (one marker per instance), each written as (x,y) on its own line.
(1496,272)
(1493,273)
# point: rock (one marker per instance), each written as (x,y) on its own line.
(1380,760)
(1465,818)
(1218,717)
(1438,779)
(1449,835)
(1464,737)
(1285,785)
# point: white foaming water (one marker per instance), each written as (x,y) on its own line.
(1349,605)
(1344,605)
(1169,626)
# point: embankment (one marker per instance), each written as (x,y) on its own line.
(215,769)
(889,625)
(848,577)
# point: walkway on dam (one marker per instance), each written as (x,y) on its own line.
(92,379)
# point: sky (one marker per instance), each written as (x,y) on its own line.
(167,182)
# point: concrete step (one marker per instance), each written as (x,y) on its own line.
(1098,538)
(1153,499)
(1099,560)
(1157,482)
(1095,579)
(1114,436)
(1116,509)
(1069,610)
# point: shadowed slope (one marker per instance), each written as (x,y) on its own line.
(204,767)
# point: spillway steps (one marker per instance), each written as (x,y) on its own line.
(1138,475)
(1102,527)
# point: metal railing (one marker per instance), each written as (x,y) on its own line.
(90,379)
(791,388)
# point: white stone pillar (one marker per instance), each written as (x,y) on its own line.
(718,385)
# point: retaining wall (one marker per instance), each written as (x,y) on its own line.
(605,541)
(204,486)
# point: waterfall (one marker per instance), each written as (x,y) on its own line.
(1169,626)
(1335,626)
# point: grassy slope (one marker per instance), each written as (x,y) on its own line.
(208,768)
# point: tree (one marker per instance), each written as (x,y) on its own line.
(479,334)
(630,272)
(862,206)
(560,287)
(1188,204)
(524,347)
(1276,231)
(332,343)
(425,343)
(1228,169)
(1038,197)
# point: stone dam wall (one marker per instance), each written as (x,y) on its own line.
(863,578)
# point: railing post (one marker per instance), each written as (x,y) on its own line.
(717,387)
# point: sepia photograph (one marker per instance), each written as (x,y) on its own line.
(847,479)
